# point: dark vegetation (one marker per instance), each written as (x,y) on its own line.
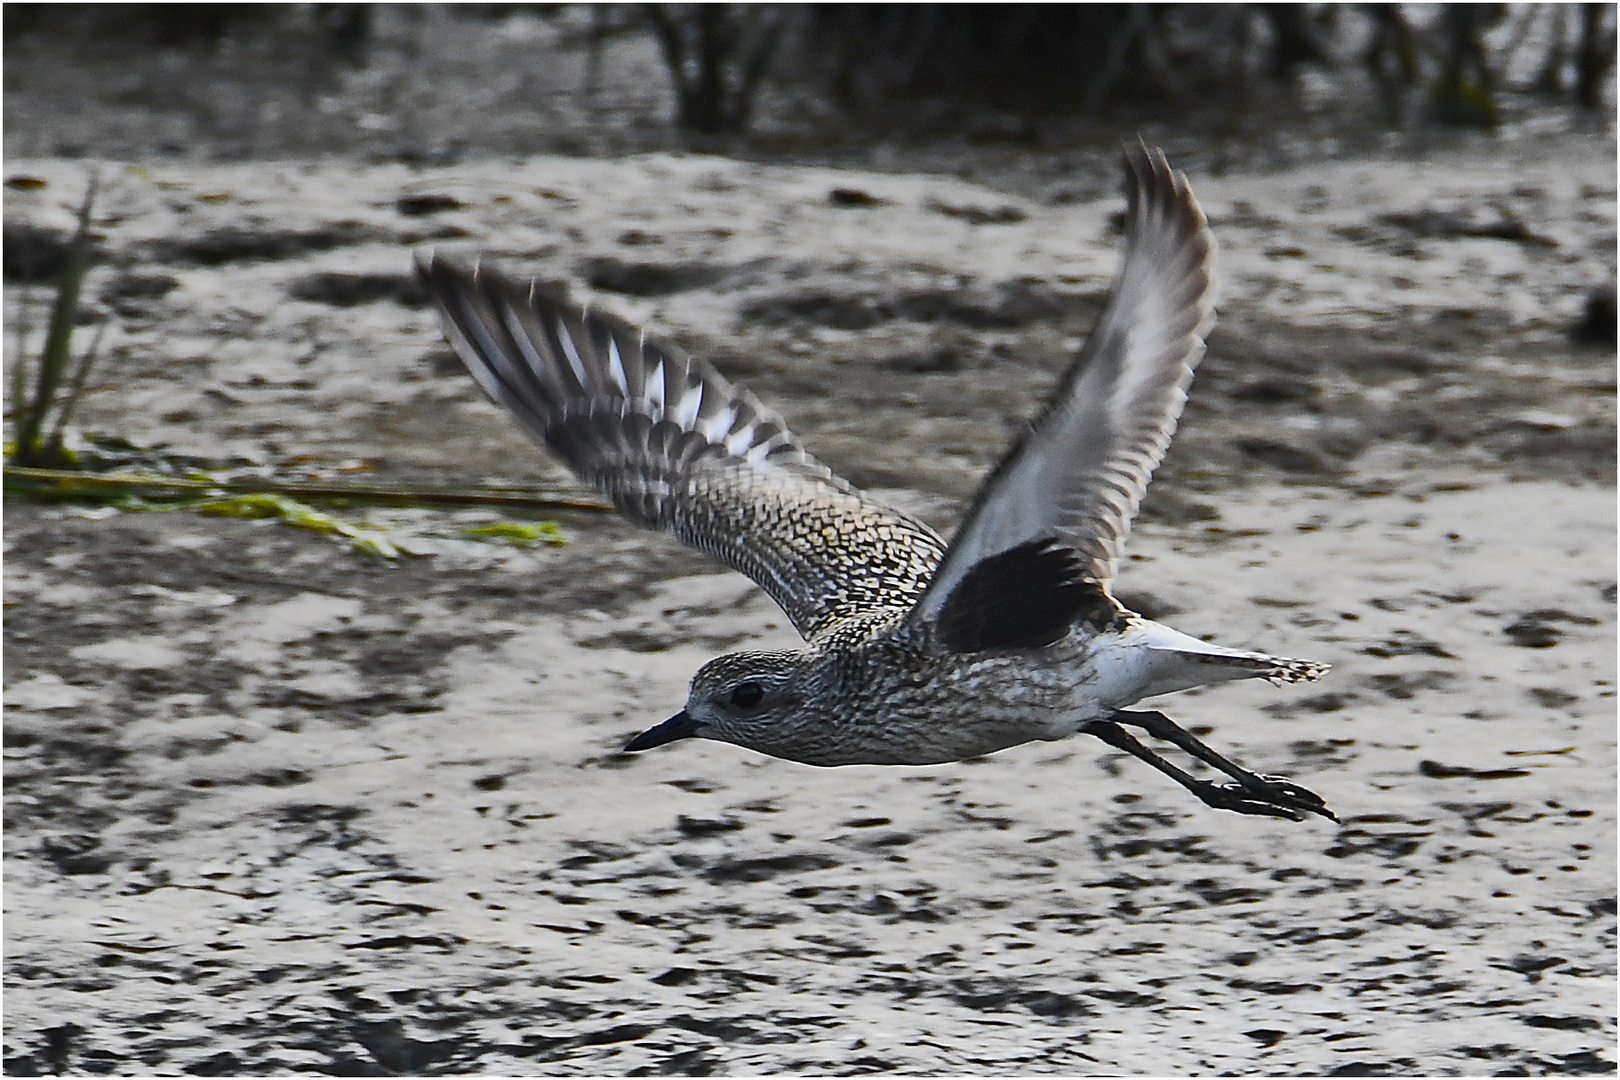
(927,68)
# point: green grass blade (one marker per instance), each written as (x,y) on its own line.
(523,533)
(67,483)
(53,361)
(260,499)
(75,391)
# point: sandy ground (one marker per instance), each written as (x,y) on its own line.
(273,805)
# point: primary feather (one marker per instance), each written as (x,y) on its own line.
(679,448)
(1078,476)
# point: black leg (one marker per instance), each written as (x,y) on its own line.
(1161,726)
(1251,794)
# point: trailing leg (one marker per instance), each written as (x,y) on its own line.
(1161,726)
(1251,794)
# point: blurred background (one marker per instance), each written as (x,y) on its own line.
(431,82)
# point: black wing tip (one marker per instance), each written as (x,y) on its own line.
(1149,178)
(1147,169)
(1143,159)
(1160,203)
(453,280)
(443,273)
(447,276)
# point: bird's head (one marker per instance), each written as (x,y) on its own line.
(751,699)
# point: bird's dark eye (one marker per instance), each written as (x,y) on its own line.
(745,695)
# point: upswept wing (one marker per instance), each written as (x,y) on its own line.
(678,448)
(1078,476)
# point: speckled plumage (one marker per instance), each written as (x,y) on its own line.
(916,652)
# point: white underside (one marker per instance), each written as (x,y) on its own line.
(1145,660)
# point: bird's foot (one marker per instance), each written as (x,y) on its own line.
(1246,793)
(1270,796)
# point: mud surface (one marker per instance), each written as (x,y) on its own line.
(273,805)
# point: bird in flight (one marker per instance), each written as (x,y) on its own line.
(916,651)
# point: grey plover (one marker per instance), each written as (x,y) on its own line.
(916,652)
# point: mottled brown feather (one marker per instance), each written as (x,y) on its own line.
(679,448)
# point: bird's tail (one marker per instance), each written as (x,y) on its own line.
(1182,662)
(1274,669)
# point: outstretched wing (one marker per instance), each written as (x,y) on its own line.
(1079,474)
(677,447)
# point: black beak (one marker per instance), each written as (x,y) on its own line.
(679,726)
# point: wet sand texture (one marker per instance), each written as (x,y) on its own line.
(273,806)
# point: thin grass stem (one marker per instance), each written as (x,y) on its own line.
(15,400)
(75,390)
(67,483)
(53,360)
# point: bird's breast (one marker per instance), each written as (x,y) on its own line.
(925,709)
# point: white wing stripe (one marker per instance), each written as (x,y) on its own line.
(740,441)
(655,388)
(616,367)
(719,426)
(570,351)
(687,408)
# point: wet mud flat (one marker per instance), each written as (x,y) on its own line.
(273,805)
